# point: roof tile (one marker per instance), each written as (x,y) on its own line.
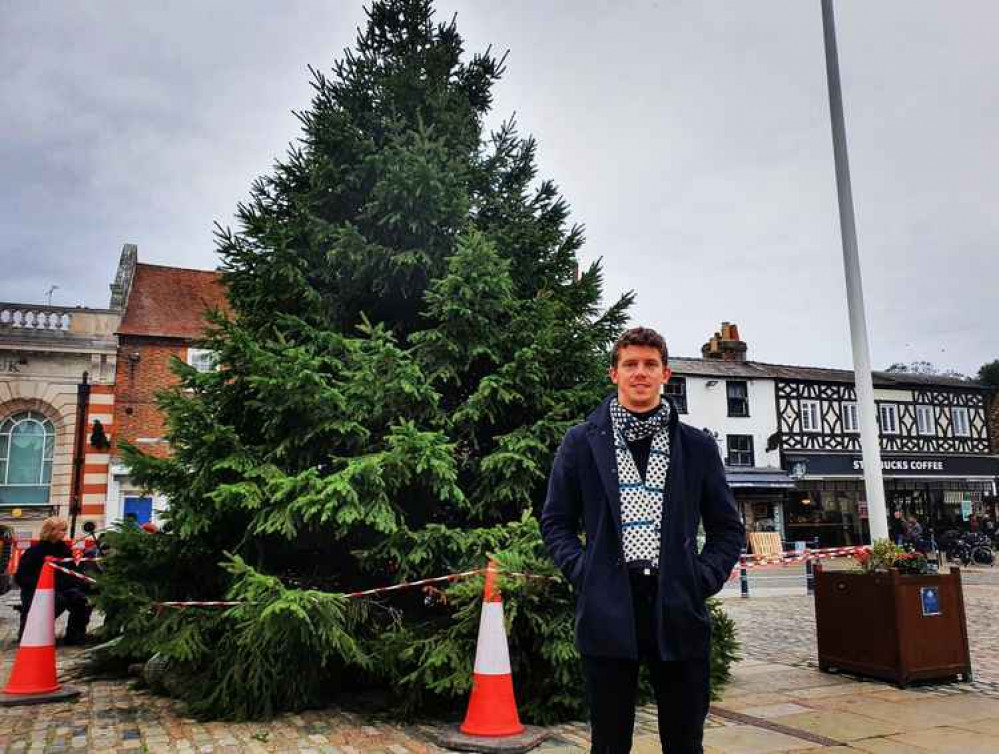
(171,302)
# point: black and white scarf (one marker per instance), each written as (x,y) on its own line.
(641,501)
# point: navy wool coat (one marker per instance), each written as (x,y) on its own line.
(583,494)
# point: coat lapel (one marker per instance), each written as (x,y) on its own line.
(601,439)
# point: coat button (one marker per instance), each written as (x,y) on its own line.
(619,562)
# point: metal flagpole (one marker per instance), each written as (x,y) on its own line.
(869,443)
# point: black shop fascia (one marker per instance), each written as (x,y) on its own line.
(942,491)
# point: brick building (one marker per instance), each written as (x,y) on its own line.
(163,318)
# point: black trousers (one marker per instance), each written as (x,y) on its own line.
(682,689)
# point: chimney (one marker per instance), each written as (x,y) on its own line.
(122,285)
(725,345)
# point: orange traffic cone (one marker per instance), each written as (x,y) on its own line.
(492,708)
(33,678)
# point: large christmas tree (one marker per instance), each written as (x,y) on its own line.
(410,337)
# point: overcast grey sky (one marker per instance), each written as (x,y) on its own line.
(690,137)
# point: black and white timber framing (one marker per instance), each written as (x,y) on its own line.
(831,435)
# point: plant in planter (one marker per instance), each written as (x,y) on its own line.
(885,555)
(892,618)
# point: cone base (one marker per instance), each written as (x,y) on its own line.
(64,694)
(452,738)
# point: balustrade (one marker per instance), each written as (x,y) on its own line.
(21,317)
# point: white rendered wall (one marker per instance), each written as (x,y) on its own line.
(707,408)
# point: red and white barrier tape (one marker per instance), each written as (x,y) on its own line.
(789,554)
(379,590)
(71,572)
(78,560)
(421,582)
(829,552)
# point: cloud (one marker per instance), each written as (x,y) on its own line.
(692,140)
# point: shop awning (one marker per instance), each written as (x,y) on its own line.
(765,478)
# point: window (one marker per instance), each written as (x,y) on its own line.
(810,416)
(740,450)
(889,418)
(959,421)
(850,421)
(202,359)
(676,389)
(27,444)
(924,420)
(738,398)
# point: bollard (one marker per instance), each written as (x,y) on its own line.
(743,576)
(809,575)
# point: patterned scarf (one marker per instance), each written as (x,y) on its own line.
(641,501)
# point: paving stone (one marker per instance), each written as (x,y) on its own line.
(841,726)
(745,739)
(772,711)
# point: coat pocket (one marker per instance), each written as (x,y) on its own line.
(578,573)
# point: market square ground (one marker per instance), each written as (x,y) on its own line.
(778,702)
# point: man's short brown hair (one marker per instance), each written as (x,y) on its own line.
(639,336)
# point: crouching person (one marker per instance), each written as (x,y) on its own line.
(71,593)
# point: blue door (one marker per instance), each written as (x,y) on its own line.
(139,508)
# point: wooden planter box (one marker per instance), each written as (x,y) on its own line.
(892,626)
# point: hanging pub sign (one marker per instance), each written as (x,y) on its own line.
(851,464)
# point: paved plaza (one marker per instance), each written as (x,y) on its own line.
(777,702)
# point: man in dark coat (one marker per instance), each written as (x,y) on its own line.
(639,484)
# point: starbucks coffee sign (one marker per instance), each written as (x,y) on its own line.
(851,464)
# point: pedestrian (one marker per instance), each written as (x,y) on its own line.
(70,594)
(897,528)
(913,532)
(639,483)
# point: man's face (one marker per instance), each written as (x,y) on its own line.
(639,376)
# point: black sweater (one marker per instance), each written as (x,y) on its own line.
(32,561)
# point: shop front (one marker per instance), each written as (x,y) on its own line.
(760,494)
(828,503)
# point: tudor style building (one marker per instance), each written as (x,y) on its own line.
(935,445)
(790,439)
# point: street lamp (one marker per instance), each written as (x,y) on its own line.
(869,443)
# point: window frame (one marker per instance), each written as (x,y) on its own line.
(193,353)
(744,398)
(926,410)
(850,409)
(679,398)
(45,464)
(803,413)
(731,452)
(892,410)
(956,411)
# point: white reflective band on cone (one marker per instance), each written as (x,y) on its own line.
(39,629)
(492,656)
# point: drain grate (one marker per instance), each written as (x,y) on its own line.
(759,722)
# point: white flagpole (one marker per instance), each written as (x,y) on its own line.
(869,442)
